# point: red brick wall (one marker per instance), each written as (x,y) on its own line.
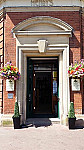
(13,18)
(9,104)
(77,98)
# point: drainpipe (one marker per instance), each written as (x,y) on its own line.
(82,55)
(81,32)
(3,54)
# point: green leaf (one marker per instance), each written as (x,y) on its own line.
(71,113)
(16,110)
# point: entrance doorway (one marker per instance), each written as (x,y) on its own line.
(42,87)
(43,99)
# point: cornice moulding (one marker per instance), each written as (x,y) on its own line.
(28,3)
(33,9)
(26,33)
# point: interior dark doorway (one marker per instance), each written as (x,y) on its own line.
(42,87)
(43,93)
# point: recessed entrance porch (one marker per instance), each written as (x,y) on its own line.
(33,41)
(42,87)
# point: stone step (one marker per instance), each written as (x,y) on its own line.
(38,122)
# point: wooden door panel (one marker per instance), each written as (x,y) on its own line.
(54,102)
(34,91)
(29,108)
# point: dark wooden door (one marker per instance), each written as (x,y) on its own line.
(29,108)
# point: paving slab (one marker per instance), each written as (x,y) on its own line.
(52,137)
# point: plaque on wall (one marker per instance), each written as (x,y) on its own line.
(9,85)
(75,84)
(10,95)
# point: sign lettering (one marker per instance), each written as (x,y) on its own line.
(42,2)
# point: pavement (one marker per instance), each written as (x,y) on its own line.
(50,137)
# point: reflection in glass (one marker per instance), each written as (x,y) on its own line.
(54,83)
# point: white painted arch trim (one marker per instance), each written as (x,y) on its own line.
(42,19)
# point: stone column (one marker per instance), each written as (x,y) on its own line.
(66,97)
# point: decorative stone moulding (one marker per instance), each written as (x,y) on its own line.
(42,45)
(20,28)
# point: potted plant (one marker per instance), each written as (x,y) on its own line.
(71,116)
(16,117)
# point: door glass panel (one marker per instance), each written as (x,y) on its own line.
(54,83)
(42,67)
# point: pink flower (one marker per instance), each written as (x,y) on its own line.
(77,68)
(15,78)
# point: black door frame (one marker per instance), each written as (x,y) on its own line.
(30,101)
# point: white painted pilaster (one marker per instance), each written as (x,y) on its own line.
(60,85)
(65,85)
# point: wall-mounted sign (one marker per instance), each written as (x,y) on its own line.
(9,85)
(10,95)
(75,84)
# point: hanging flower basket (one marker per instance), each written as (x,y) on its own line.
(76,69)
(9,72)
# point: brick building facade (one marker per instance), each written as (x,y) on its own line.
(61,26)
